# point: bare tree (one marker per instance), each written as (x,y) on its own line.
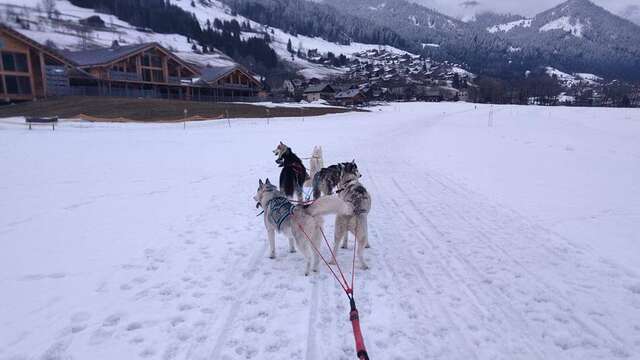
(49,7)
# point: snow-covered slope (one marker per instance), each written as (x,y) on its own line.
(517,241)
(64,35)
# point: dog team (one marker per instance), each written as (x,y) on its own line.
(301,221)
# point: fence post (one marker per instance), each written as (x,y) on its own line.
(186,112)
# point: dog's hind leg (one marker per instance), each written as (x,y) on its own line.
(292,248)
(362,238)
(271,234)
(340,232)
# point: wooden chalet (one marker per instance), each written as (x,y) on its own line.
(29,70)
(230,82)
(316,92)
(350,97)
(147,70)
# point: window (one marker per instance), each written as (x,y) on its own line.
(158,76)
(150,59)
(20,85)
(1,86)
(15,62)
(146,75)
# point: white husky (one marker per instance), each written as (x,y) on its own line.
(301,224)
(315,164)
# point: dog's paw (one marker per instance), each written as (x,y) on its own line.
(292,250)
(272,256)
(365,267)
(345,246)
(367,246)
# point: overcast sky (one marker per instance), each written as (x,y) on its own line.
(627,8)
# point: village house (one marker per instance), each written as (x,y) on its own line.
(319,91)
(232,82)
(350,97)
(147,70)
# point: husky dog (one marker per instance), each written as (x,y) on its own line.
(325,180)
(293,174)
(315,164)
(301,224)
(353,193)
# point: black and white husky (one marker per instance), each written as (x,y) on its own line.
(352,192)
(301,224)
(293,174)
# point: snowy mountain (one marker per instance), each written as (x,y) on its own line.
(576,36)
(281,38)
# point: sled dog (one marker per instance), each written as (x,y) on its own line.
(293,174)
(315,164)
(325,180)
(296,222)
(351,191)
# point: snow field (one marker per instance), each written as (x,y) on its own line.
(516,241)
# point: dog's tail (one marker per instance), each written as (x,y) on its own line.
(329,205)
(316,185)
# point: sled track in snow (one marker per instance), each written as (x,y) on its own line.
(472,246)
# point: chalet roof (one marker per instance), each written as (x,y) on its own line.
(103,55)
(213,73)
(317,88)
(348,94)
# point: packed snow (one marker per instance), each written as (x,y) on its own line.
(497,232)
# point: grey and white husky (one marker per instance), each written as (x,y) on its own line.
(352,192)
(327,179)
(301,224)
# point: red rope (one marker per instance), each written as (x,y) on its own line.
(361,351)
(345,285)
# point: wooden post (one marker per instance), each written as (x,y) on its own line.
(185,119)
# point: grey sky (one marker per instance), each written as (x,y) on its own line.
(459,8)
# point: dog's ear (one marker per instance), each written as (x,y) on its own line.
(353,161)
(260,184)
(281,143)
(268,182)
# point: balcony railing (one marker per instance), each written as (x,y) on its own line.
(126,76)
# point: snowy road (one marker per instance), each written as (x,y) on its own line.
(517,241)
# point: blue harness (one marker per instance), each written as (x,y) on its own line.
(280,208)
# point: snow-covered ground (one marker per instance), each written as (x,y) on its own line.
(512,241)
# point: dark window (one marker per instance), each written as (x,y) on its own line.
(146,74)
(18,85)
(158,76)
(7,62)
(15,62)
(156,61)
(1,86)
(21,62)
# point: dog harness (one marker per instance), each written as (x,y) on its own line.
(280,208)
